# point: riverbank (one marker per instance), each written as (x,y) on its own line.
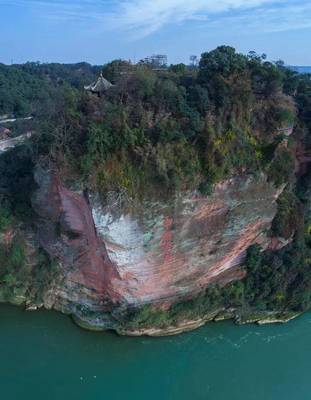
(107,323)
(263,318)
(260,318)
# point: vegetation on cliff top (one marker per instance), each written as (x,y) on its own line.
(177,128)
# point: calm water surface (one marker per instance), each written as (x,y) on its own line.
(44,356)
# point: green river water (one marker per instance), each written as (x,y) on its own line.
(45,356)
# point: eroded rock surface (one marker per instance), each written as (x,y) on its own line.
(155,253)
(164,252)
(66,231)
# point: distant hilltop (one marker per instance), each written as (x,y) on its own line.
(300,69)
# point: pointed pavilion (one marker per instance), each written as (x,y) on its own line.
(100,86)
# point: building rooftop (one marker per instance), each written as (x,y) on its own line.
(100,86)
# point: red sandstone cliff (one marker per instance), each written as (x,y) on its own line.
(155,253)
(167,251)
(67,233)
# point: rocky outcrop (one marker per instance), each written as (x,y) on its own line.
(153,254)
(167,251)
(9,143)
(66,231)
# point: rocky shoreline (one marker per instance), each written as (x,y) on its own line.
(259,318)
(106,322)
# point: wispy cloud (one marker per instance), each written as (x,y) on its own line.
(283,18)
(147,16)
(140,18)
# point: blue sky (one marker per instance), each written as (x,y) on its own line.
(97,31)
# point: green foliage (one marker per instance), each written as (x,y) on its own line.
(17,256)
(113,70)
(224,114)
(146,316)
(254,257)
(18,89)
(16,183)
(282,168)
(13,269)
(289,217)
(179,69)
(223,61)
(22,278)
(284,116)
(281,280)
(6,218)
(177,110)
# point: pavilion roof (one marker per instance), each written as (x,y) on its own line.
(99,86)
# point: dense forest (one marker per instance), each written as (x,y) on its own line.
(185,126)
(172,129)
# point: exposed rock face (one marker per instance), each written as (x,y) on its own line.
(153,254)
(8,143)
(67,233)
(166,252)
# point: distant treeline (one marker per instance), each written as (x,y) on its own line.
(24,86)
